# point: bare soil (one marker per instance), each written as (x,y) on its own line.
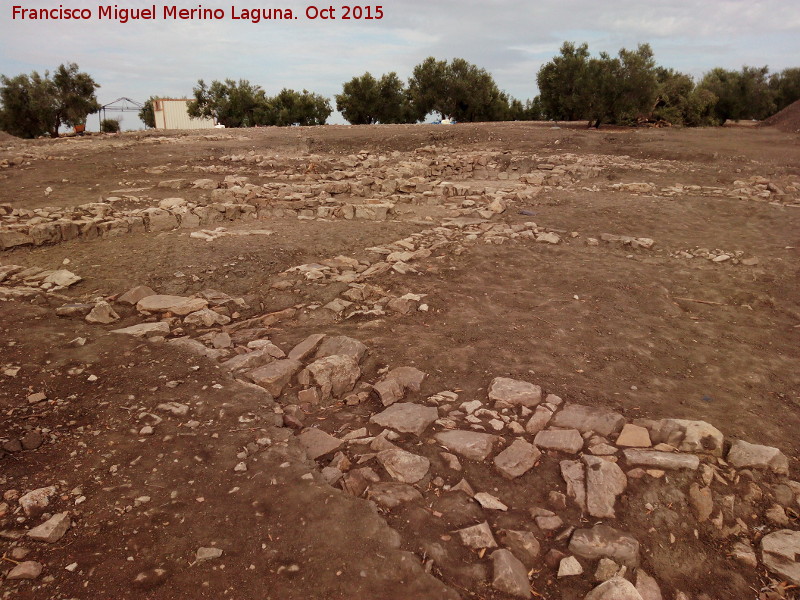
(643,332)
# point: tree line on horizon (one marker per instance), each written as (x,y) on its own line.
(574,85)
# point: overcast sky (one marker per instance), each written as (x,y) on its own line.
(511,39)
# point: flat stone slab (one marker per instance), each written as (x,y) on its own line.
(744,455)
(478,536)
(341,345)
(563,440)
(391,494)
(569,566)
(177,305)
(204,554)
(304,349)
(30,569)
(252,360)
(780,551)
(469,444)
(661,460)
(573,473)
(517,459)
(145,330)
(318,443)
(539,420)
(62,278)
(51,530)
(523,544)
(133,295)
(406,417)
(603,541)
(634,436)
(404,466)
(276,375)
(688,436)
(588,418)
(489,502)
(604,482)
(507,393)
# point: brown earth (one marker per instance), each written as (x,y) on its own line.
(647,333)
(787,120)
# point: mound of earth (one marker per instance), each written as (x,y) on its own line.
(7,137)
(786,120)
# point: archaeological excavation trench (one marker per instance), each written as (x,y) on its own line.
(509,361)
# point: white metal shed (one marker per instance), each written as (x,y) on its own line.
(172,113)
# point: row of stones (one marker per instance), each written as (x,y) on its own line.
(593,483)
(754,188)
(53,225)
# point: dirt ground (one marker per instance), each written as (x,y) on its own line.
(646,332)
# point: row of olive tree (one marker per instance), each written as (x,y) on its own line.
(458,89)
(34,105)
(573,86)
(242,104)
(630,86)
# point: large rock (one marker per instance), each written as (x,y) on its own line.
(51,530)
(469,444)
(507,393)
(604,482)
(341,345)
(391,494)
(604,541)
(588,418)
(517,459)
(317,443)
(177,305)
(145,330)
(563,440)
(744,455)
(509,574)
(615,588)
(660,460)
(404,466)
(276,375)
(780,552)
(335,375)
(406,417)
(688,436)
